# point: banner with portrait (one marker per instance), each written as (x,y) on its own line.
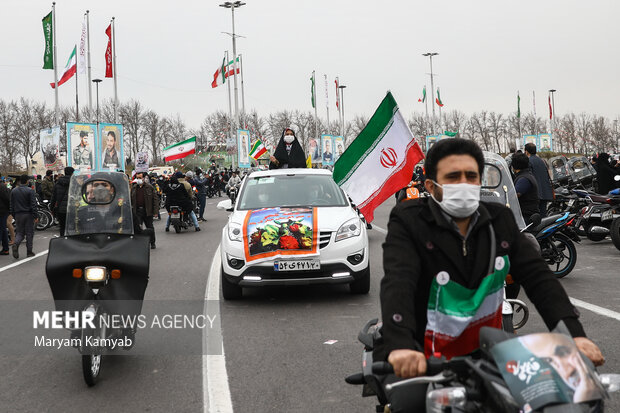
(243,148)
(110,154)
(338,147)
(314,150)
(280,232)
(546,142)
(142,162)
(327,151)
(81,145)
(530,139)
(50,144)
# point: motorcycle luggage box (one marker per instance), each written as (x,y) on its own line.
(128,253)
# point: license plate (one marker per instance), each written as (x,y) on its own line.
(571,202)
(175,215)
(297,265)
(607,215)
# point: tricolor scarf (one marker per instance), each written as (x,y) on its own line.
(455,313)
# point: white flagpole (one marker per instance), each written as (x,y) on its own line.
(242,92)
(327,103)
(56,118)
(316,117)
(227,80)
(90,83)
(440,127)
(115,73)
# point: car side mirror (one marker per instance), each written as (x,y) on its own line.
(225,205)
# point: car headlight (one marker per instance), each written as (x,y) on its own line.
(351,228)
(95,274)
(234,232)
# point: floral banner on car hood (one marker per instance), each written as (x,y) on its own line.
(280,232)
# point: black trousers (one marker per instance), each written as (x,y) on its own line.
(62,222)
(142,218)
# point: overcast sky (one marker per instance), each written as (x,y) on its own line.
(168,50)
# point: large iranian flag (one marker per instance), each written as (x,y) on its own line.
(380,160)
(180,150)
(70,69)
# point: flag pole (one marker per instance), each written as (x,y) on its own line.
(90,83)
(54,58)
(242,92)
(327,103)
(115,73)
(426,103)
(316,117)
(519,116)
(227,80)
(77,107)
(439,110)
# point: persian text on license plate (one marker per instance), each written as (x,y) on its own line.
(175,215)
(297,265)
(607,215)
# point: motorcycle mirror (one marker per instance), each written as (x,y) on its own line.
(535,218)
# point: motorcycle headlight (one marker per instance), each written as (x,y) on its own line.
(351,228)
(438,400)
(234,232)
(95,274)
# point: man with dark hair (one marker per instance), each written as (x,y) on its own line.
(24,210)
(82,154)
(60,197)
(47,186)
(526,186)
(541,173)
(145,203)
(109,158)
(443,257)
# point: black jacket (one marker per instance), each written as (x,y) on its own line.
(60,195)
(541,173)
(5,199)
(605,177)
(23,201)
(528,201)
(421,242)
(176,195)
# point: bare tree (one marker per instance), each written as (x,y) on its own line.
(131,116)
(480,124)
(26,128)
(154,128)
(8,113)
(584,128)
(497,126)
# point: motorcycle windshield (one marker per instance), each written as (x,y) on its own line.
(497,185)
(561,171)
(581,167)
(99,203)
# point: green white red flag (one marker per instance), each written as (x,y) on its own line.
(258,149)
(180,150)
(380,160)
(219,77)
(423,98)
(70,69)
(438,99)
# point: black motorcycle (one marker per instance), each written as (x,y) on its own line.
(99,269)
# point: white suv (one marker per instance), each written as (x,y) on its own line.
(293,227)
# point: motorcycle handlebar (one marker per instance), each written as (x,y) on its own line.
(434,366)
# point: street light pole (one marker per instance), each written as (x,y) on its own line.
(97,81)
(430,56)
(341,87)
(232,5)
(552,91)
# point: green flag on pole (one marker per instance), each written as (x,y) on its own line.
(48,56)
(451,134)
(312,91)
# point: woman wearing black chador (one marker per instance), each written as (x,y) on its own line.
(289,153)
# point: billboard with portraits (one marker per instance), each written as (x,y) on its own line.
(243,148)
(338,147)
(50,143)
(314,150)
(110,153)
(327,149)
(81,145)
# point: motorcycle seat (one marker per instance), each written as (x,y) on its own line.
(546,221)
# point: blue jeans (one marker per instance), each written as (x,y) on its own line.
(4,232)
(192,215)
(202,203)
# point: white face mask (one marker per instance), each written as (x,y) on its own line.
(459,200)
(289,138)
(138,181)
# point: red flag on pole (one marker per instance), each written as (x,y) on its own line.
(337,95)
(108,53)
(550,109)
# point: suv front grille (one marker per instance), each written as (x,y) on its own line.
(324,238)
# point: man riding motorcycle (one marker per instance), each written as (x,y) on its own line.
(441,284)
(176,194)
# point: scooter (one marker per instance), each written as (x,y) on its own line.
(503,378)
(179,218)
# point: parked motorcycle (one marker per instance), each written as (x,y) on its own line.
(99,269)
(508,375)
(598,215)
(555,235)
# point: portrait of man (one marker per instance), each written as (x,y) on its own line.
(328,156)
(109,157)
(82,154)
(244,148)
(315,155)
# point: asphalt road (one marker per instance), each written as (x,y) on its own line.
(276,340)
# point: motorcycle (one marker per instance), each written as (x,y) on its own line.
(232,193)
(598,215)
(44,215)
(555,235)
(179,218)
(99,269)
(511,374)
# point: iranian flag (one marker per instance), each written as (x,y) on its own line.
(231,67)
(438,99)
(380,160)
(180,150)
(258,149)
(70,68)
(455,314)
(219,77)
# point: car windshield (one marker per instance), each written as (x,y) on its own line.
(291,191)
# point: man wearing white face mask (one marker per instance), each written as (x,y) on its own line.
(145,204)
(445,260)
(288,153)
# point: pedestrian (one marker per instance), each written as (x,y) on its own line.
(144,202)
(526,186)
(47,186)
(541,173)
(5,204)
(60,198)
(24,209)
(200,182)
(605,174)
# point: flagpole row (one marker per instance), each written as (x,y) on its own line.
(56,117)
(242,93)
(90,86)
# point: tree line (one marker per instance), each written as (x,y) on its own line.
(146,130)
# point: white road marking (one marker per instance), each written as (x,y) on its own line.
(20,262)
(381,230)
(595,309)
(215,389)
